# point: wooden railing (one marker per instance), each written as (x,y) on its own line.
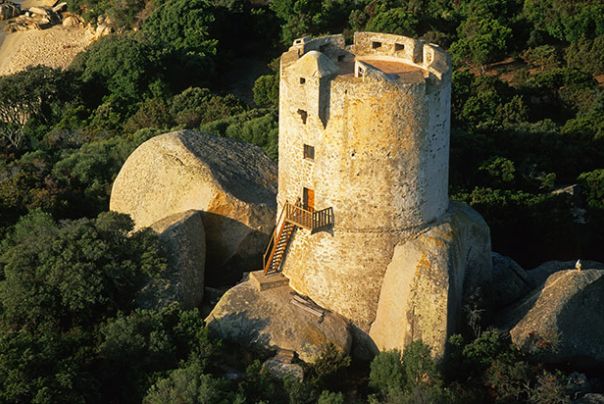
(292,216)
(322,218)
(308,219)
(269,249)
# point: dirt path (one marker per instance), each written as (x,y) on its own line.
(54,47)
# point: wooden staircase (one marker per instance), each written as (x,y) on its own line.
(292,216)
(278,249)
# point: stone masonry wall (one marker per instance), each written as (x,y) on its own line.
(381,161)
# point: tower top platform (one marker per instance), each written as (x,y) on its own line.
(386,56)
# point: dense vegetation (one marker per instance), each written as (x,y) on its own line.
(528,119)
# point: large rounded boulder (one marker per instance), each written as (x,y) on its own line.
(232,183)
(268,320)
(562,320)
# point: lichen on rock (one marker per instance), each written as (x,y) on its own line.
(266,320)
(425,284)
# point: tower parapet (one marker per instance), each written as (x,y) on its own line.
(364,130)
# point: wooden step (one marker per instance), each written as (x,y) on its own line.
(270,280)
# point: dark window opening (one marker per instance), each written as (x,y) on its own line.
(376,45)
(309,152)
(399,47)
(341,58)
(304,115)
(302,80)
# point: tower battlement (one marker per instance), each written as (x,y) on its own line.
(389,52)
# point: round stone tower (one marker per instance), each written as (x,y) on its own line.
(363,138)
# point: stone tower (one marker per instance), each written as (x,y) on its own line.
(363,133)
(365,228)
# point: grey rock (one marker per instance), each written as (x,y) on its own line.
(9,10)
(232,183)
(428,279)
(282,370)
(183,237)
(562,320)
(578,383)
(510,281)
(266,320)
(540,274)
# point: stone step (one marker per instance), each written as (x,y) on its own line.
(262,281)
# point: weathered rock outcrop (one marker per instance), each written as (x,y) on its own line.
(267,320)
(424,285)
(232,183)
(540,274)
(510,282)
(9,10)
(183,237)
(562,321)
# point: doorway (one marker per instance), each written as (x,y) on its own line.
(309,199)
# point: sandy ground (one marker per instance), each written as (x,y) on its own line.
(54,47)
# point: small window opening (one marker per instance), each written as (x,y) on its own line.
(302,80)
(309,152)
(304,115)
(376,45)
(341,58)
(399,47)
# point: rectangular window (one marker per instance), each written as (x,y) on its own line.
(309,152)
(399,47)
(302,80)
(376,45)
(341,58)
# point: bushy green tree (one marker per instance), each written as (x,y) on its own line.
(195,106)
(32,95)
(481,40)
(120,68)
(394,21)
(191,385)
(500,169)
(328,397)
(587,55)
(543,57)
(183,26)
(308,17)
(387,372)
(266,91)
(76,273)
(593,184)
(565,20)
(85,175)
(408,378)
(259,127)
